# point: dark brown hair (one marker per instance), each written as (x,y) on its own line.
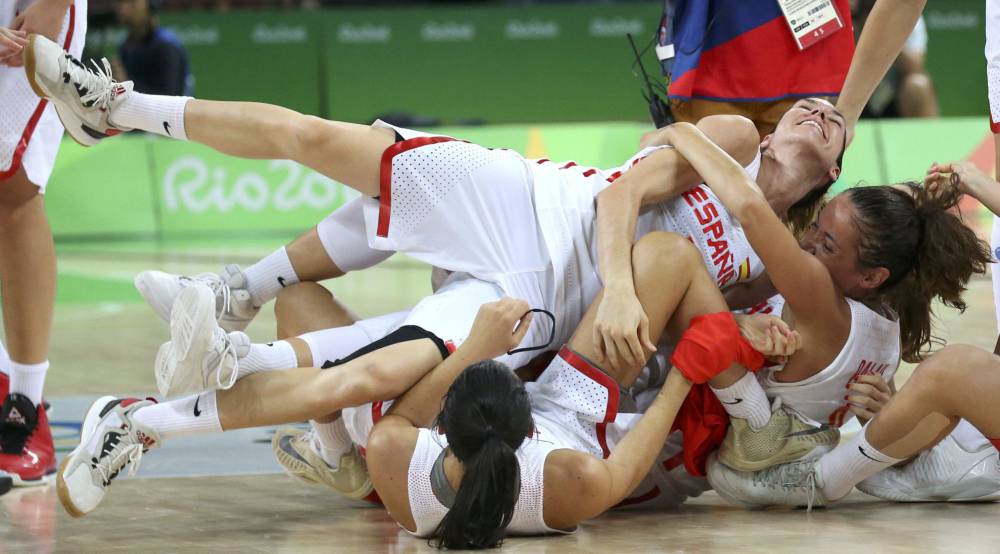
(929,252)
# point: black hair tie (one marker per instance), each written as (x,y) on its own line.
(552,334)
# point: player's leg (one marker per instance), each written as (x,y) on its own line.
(30,134)
(28,281)
(345,152)
(669,304)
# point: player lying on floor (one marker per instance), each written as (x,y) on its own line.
(958,383)
(521,228)
(569,409)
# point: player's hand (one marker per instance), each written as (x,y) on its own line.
(963,175)
(621,331)
(499,327)
(770,336)
(867,395)
(44,17)
(11,43)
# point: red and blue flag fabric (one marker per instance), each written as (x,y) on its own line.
(743,51)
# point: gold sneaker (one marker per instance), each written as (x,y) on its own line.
(292,448)
(788,436)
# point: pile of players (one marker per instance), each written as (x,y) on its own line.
(604,328)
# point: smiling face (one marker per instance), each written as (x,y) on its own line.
(834,239)
(812,135)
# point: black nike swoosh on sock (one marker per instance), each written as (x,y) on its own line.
(865,454)
(281,281)
(737,401)
(166,127)
(197,412)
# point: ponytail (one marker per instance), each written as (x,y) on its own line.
(929,252)
(486,415)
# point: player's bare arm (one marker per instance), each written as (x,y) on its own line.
(885,32)
(621,332)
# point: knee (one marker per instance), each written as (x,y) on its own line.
(18,199)
(952,367)
(306,307)
(312,133)
(656,254)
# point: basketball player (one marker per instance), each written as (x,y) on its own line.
(705,352)
(30,134)
(958,383)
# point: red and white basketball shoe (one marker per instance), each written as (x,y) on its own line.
(26,449)
(111,440)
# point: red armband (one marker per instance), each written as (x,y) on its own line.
(710,345)
(994,126)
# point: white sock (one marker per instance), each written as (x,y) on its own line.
(267,357)
(332,441)
(745,399)
(163,115)
(28,379)
(184,417)
(848,464)
(4,361)
(267,277)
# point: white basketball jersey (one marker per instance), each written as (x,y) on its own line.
(428,511)
(700,216)
(872,348)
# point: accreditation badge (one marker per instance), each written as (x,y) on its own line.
(810,20)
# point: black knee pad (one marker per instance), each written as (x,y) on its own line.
(405,333)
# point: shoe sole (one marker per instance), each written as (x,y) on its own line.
(30,64)
(88,428)
(146,291)
(203,316)
(780,458)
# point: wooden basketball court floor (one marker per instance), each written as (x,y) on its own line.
(226,493)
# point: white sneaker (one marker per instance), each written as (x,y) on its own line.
(200,355)
(109,440)
(945,473)
(791,484)
(234,307)
(83,97)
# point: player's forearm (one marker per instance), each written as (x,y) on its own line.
(635,454)
(421,404)
(988,193)
(885,32)
(727,179)
(617,214)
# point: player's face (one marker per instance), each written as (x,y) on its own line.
(812,132)
(833,239)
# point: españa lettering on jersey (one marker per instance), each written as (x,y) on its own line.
(712,227)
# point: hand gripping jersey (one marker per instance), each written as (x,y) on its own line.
(872,348)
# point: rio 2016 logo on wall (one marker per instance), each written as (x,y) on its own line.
(193,185)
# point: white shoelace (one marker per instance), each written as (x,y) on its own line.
(218,286)
(98,82)
(227,350)
(130,454)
